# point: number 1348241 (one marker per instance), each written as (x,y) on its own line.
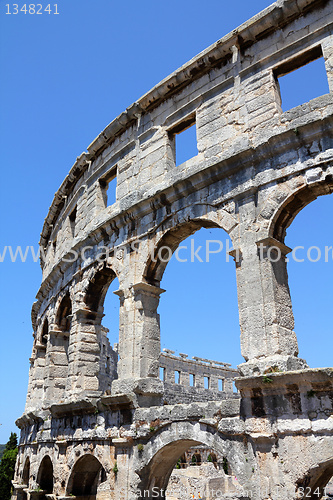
(31,8)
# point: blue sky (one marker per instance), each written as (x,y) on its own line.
(63,79)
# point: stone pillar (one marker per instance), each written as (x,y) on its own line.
(123,478)
(227,386)
(139,340)
(39,371)
(57,365)
(184,378)
(268,341)
(84,354)
(327,48)
(169,375)
(36,388)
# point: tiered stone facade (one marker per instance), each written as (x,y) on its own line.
(95,423)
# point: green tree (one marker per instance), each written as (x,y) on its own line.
(7,467)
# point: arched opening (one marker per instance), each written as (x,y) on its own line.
(109,337)
(26,473)
(59,345)
(181,462)
(168,245)
(196,459)
(64,314)
(305,223)
(103,306)
(318,483)
(212,458)
(98,287)
(177,471)
(287,213)
(45,475)
(200,303)
(45,332)
(87,475)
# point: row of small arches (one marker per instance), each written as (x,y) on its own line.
(87,474)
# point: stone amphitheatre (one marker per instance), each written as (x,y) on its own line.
(99,421)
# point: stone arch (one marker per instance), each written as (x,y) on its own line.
(167,446)
(294,203)
(97,287)
(315,480)
(64,313)
(87,474)
(45,475)
(212,457)
(94,295)
(172,238)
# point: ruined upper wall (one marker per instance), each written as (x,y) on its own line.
(231,93)
(197,379)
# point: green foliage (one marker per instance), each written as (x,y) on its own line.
(267,380)
(2,449)
(178,464)
(194,459)
(12,442)
(225,465)
(7,467)
(140,448)
(209,458)
(115,468)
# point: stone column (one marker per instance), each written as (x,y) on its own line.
(139,340)
(268,341)
(228,387)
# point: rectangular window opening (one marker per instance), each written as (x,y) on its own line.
(108,185)
(302,79)
(184,139)
(206,382)
(162,373)
(221,384)
(107,366)
(72,219)
(177,377)
(192,380)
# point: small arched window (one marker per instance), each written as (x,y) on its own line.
(45,475)
(196,459)
(26,473)
(45,332)
(88,473)
(64,315)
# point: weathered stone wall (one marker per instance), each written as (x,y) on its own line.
(95,411)
(217,376)
(205,481)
